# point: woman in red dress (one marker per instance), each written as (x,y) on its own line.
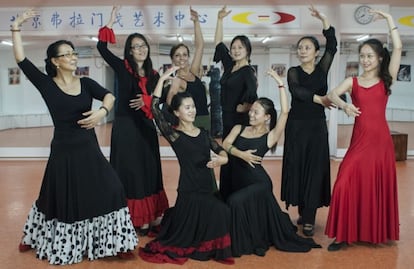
(364,205)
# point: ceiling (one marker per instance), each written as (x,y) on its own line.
(158,40)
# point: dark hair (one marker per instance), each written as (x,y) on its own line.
(147,65)
(176,47)
(177,100)
(312,39)
(269,108)
(52,52)
(245,42)
(383,53)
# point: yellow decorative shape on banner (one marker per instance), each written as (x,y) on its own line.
(242,17)
(407,21)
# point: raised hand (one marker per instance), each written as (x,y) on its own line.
(275,76)
(26,15)
(223,13)
(114,11)
(320,16)
(194,14)
(379,14)
(170,71)
(315,13)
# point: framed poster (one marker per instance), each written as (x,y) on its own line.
(14,76)
(404,73)
(82,71)
(351,69)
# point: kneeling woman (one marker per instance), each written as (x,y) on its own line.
(188,229)
(257,220)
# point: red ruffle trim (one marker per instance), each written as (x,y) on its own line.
(145,210)
(106,35)
(155,252)
(147,99)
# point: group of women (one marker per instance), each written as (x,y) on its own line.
(90,207)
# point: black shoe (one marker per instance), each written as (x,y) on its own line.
(143,231)
(335,246)
(260,252)
(308,229)
(299,221)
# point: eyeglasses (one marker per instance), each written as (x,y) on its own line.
(69,54)
(139,46)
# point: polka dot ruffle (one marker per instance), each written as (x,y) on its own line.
(67,243)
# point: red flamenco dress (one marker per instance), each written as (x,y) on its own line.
(364,206)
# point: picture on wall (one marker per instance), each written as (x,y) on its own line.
(280,69)
(14,76)
(205,70)
(404,73)
(82,71)
(351,69)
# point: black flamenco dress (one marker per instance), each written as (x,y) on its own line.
(81,209)
(306,176)
(237,87)
(135,153)
(257,221)
(197,227)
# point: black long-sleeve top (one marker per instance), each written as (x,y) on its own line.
(303,86)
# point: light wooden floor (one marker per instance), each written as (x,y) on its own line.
(20,182)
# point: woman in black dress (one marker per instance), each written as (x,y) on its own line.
(135,153)
(306,179)
(256,218)
(197,227)
(238,86)
(81,209)
(188,77)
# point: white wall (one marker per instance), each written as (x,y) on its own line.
(23,104)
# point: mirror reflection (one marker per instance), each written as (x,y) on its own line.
(25,122)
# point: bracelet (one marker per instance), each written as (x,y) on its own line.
(15,30)
(394,28)
(106,110)
(230,148)
(281,86)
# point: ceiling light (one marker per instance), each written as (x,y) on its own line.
(264,40)
(362,38)
(180,38)
(6,42)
